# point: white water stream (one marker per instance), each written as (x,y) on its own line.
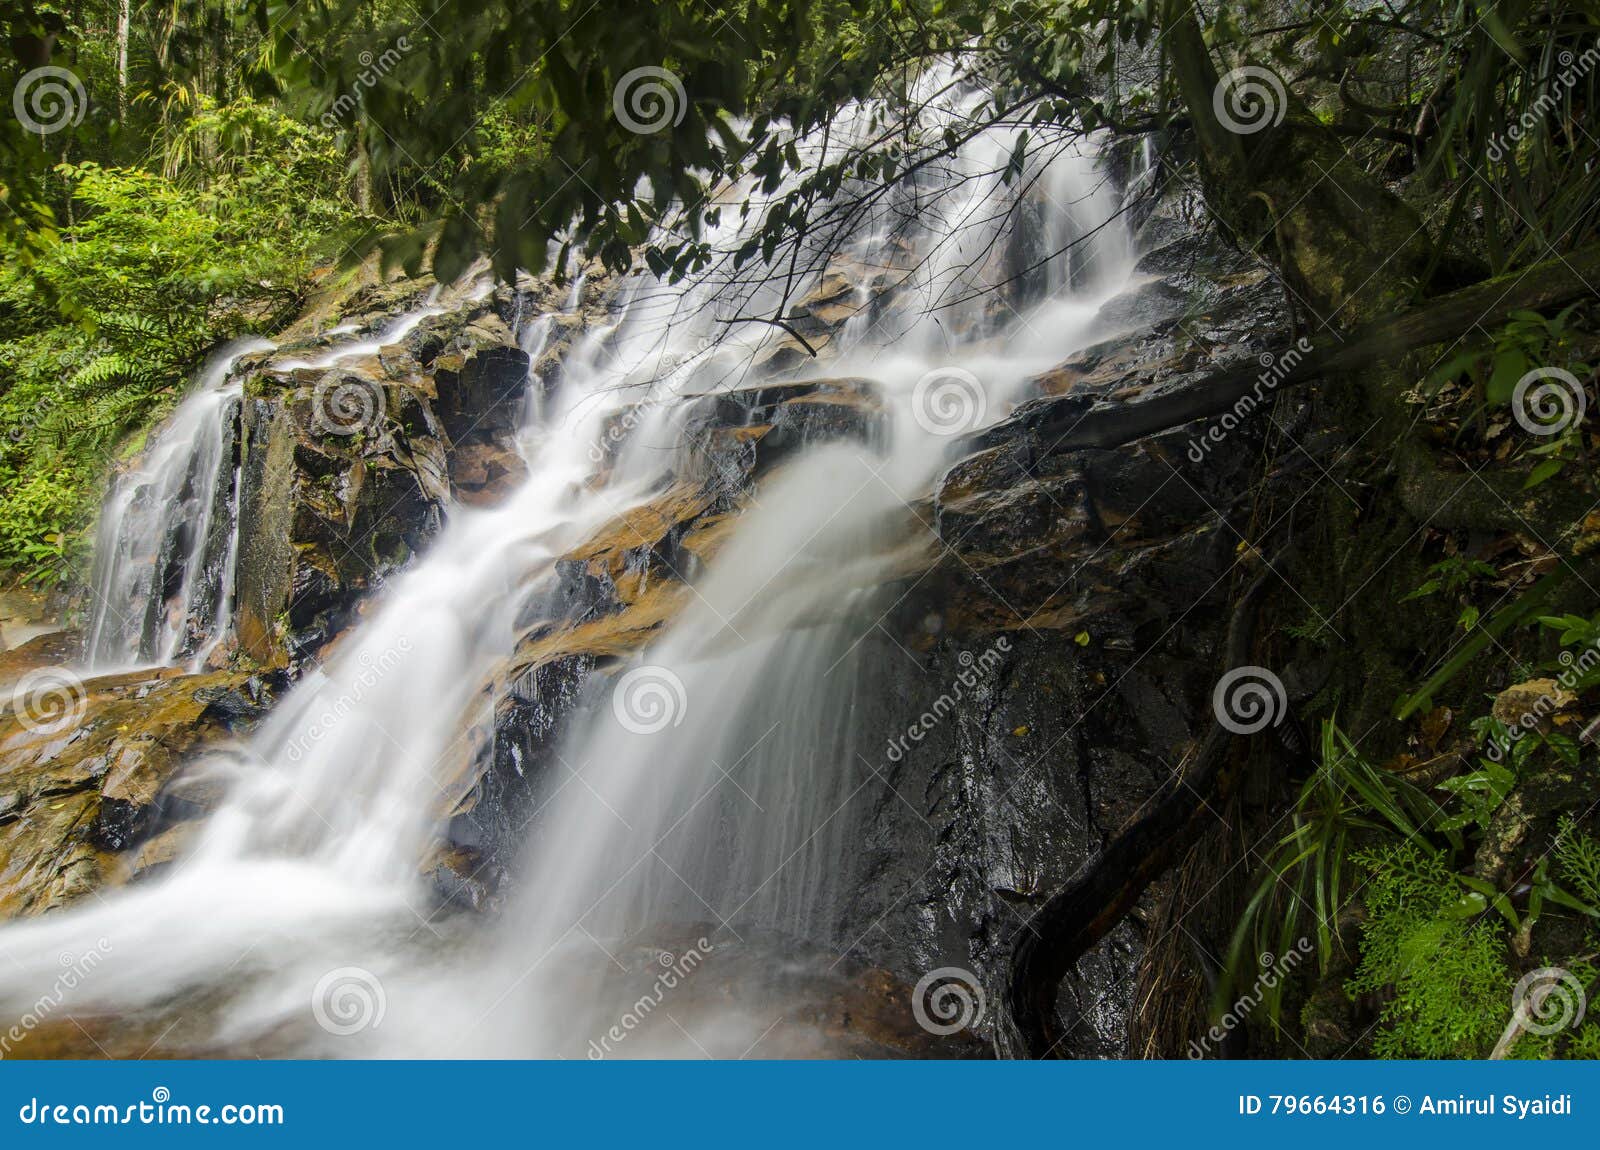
(164,553)
(728,814)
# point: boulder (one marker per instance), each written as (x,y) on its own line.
(88,766)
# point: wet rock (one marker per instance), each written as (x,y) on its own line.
(83,800)
(348,470)
(1531,704)
(1057,613)
(734,437)
(47,650)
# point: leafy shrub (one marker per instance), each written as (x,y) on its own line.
(1447,974)
(104,322)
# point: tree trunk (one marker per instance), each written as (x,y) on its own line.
(122,60)
(1286,188)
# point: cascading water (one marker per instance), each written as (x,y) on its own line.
(167,536)
(735,814)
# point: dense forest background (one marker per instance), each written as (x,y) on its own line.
(179,173)
(200,165)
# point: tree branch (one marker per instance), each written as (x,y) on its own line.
(1069,423)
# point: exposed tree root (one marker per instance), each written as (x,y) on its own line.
(1105,889)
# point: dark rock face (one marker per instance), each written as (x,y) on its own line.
(612,596)
(326,518)
(348,469)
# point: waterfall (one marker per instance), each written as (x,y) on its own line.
(738,812)
(167,536)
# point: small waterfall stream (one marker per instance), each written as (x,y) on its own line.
(735,814)
(167,539)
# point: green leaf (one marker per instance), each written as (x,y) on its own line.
(1544,470)
(1509,367)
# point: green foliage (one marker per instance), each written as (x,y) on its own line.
(1451,575)
(1525,607)
(103,323)
(1302,887)
(1577,858)
(1448,975)
(1314,629)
